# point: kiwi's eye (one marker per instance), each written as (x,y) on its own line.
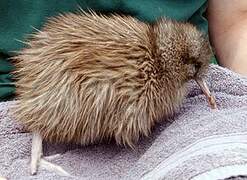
(198,65)
(189,60)
(193,66)
(194,61)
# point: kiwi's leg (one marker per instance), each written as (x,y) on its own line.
(36,152)
(37,160)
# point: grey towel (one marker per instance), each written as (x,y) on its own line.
(197,143)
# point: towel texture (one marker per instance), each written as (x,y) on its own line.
(196,143)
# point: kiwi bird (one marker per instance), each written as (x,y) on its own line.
(86,77)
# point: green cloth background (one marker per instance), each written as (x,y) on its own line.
(18,16)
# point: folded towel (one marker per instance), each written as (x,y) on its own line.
(197,143)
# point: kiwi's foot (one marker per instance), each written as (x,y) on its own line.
(37,160)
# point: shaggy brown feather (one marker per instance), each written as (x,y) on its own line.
(87,77)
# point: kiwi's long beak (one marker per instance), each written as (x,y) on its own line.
(210,97)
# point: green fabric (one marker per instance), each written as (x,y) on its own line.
(18,16)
